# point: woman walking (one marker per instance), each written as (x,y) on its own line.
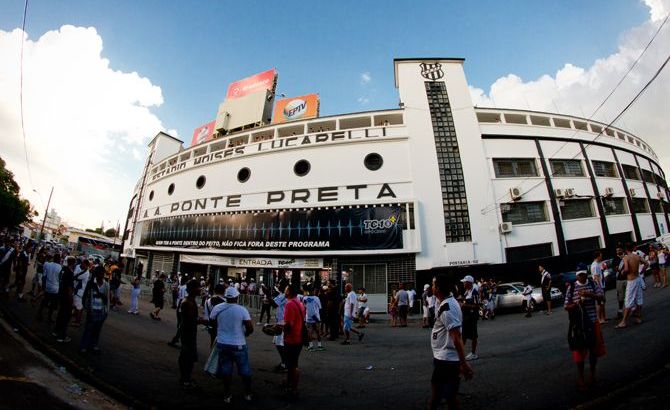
(135,295)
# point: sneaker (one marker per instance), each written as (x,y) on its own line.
(471,356)
(259,324)
(346,342)
(228,399)
(173,344)
(320,348)
(66,339)
(247,397)
(360,337)
(309,348)
(280,368)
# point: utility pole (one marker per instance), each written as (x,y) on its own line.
(45,214)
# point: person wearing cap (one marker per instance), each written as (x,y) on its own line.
(233,327)
(188,354)
(425,306)
(470,306)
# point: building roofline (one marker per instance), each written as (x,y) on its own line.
(165,134)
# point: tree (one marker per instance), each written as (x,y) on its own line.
(96,230)
(13,209)
(110,233)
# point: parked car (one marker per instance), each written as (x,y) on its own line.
(510,296)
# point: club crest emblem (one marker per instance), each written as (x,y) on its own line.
(431,71)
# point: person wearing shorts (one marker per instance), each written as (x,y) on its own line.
(294,320)
(233,326)
(349,308)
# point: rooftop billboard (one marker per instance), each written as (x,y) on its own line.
(203,133)
(296,108)
(255,83)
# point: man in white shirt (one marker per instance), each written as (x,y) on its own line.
(597,277)
(448,350)
(411,294)
(233,326)
(362,308)
(81,275)
(349,306)
(312,318)
(51,281)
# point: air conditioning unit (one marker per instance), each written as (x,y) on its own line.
(569,192)
(560,193)
(660,195)
(609,191)
(632,191)
(506,227)
(515,193)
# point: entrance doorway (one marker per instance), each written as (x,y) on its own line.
(372,277)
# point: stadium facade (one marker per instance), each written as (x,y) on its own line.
(385,196)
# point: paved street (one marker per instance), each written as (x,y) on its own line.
(30,380)
(525,363)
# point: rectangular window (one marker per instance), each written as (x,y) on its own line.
(524,253)
(615,206)
(576,209)
(566,168)
(520,167)
(630,172)
(640,206)
(524,212)
(656,206)
(604,169)
(648,176)
(621,239)
(583,244)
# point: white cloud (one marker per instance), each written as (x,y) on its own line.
(578,91)
(365,78)
(82,118)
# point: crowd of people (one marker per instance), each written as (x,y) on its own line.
(84,290)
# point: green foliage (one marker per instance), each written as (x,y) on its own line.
(110,233)
(13,209)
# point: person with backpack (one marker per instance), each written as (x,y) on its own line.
(81,277)
(585,336)
(210,304)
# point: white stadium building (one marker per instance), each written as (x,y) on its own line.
(381,197)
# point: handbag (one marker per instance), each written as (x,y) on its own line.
(212,364)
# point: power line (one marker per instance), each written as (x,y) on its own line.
(637,60)
(622,112)
(23,128)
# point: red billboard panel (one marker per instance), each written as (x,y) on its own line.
(203,133)
(259,82)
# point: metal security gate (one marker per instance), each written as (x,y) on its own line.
(162,262)
(372,277)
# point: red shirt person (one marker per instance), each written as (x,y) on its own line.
(294,320)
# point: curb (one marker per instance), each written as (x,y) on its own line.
(607,400)
(69,364)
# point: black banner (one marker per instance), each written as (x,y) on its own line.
(291,230)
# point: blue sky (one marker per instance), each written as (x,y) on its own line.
(192,50)
(89,106)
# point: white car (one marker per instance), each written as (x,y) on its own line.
(510,296)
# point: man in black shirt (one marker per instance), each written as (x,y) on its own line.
(65,301)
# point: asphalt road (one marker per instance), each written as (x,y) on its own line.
(30,380)
(524,363)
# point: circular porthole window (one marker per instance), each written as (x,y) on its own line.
(151,195)
(373,161)
(200,182)
(301,168)
(243,174)
(170,189)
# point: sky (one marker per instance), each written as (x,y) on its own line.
(101,78)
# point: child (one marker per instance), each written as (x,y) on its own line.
(393,310)
(527,291)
